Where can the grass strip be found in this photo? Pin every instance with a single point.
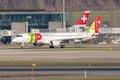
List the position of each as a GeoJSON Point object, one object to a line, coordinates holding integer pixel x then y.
{"type": "Point", "coordinates": [38, 63]}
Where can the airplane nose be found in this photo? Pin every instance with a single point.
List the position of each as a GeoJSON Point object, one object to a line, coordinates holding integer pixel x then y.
{"type": "Point", "coordinates": [14, 40]}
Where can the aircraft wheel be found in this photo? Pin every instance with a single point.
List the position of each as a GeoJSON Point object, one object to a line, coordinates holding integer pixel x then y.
{"type": "Point", "coordinates": [63, 46]}
{"type": "Point", "coordinates": [22, 45]}
{"type": "Point", "coordinates": [51, 46]}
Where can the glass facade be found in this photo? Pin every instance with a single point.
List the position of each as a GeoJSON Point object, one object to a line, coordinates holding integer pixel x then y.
{"type": "Point", "coordinates": [35, 19]}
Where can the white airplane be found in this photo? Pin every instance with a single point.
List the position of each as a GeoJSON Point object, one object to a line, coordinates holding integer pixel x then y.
{"type": "Point", "coordinates": [57, 38]}
{"type": "Point", "coordinates": [80, 25]}
{"type": "Point", "coordinates": [81, 22]}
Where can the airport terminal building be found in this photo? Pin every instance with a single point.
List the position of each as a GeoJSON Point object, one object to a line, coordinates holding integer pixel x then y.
{"type": "Point", "coordinates": [35, 18]}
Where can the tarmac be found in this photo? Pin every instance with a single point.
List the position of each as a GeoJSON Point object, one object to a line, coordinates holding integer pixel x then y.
{"type": "Point", "coordinates": [59, 55]}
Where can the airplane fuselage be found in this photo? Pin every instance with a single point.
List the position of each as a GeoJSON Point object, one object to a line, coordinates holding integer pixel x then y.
{"type": "Point", "coordinates": [47, 37]}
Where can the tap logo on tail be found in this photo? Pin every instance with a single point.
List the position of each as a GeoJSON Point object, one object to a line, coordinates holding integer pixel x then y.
{"type": "Point", "coordinates": [94, 27]}
{"type": "Point", "coordinates": [97, 24]}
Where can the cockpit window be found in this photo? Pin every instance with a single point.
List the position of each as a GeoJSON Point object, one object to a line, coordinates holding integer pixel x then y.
{"type": "Point", "coordinates": [19, 36]}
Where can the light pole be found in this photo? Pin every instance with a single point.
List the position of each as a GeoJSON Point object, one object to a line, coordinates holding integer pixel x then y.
{"type": "Point", "coordinates": [63, 14]}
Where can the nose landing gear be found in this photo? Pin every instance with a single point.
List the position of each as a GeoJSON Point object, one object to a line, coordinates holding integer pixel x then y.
{"type": "Point", "coordinates": [22, 45]}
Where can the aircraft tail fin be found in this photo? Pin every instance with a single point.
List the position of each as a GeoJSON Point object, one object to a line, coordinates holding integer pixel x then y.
{"type": "Point", "coordinates": [83, 19]}
{"type": "Point", "coordinates": [94, 27]}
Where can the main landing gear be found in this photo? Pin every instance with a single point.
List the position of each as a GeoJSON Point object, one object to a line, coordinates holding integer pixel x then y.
{"type": "Point", "coordinates": [62, 46]}
{"type": "Point", "coordinates": [52, 46]}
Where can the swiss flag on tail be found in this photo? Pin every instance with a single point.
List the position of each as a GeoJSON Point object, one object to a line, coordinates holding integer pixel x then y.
{"type": "Point", "coordinates": [97, 24]}
{"type": "Point", "coordinates": [83, 19]}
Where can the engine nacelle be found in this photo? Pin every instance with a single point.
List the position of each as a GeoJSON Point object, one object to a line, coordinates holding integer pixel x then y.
{"type": "Point", "coordinates": [37, 44]}
{"type": "Point", "coordinates": [77, 40]}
